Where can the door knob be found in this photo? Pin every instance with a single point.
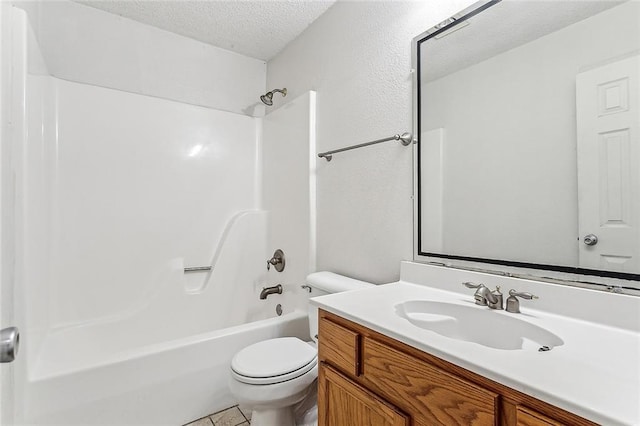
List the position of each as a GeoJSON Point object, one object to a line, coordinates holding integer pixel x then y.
{"type": "Point", "coordinates": [9, 343]}
{"type": "Point", "coordinates": [590, 240]}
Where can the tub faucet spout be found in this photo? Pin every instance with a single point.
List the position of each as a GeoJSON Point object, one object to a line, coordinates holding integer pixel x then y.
{"type": "Point", "coordinates": [276, 289]}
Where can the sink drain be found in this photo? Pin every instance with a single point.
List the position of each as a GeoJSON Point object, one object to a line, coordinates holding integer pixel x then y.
{"type": "Point", "coordinates": [544, 349]}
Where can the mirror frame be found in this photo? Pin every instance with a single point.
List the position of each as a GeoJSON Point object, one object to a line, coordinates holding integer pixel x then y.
{"type": "Point", "coordinates": [592, 278]}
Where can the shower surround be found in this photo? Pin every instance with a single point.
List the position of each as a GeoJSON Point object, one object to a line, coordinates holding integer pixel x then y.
{"type": "Point", "coordinates": [119, 188]}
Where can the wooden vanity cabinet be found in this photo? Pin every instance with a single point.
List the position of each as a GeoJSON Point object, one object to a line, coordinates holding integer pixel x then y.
{"type": "Point", "coordinates": [349, 401]}
{"type": "Point", "coordinates": [366, 378]}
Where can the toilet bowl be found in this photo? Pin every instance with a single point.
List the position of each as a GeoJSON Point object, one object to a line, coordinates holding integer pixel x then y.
{"type": "Point", "coordinates": [272, 376]}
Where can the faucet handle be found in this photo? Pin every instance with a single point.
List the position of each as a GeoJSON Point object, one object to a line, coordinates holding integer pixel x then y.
{"type": "Point", "coordinates": [513, 304]}
{"type": "Point", "coordinates": [277, 260]}
{"type": "Point", "coordinates": [527, 296]}
{"type": "Point", "coordinates": [479, 295]}
{"type": "Point", "coordinates": [468, 284]}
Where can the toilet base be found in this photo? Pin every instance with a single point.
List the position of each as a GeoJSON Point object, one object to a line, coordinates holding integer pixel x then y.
{"type": "Point", "coordinates": [273, 417]}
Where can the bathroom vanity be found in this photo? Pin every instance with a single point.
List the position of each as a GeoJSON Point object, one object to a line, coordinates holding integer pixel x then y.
{"type": "Point", "coordinates": [381, 363]}
{"type": "Point", "coordinates": [384, 382]}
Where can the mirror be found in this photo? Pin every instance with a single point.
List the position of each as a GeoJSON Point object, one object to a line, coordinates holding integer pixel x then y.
{"type": "Point", "coordinates": [527, 119]}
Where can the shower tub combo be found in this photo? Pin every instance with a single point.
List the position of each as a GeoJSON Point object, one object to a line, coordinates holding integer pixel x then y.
{"type": "Point", "coordinates": [120, 193]}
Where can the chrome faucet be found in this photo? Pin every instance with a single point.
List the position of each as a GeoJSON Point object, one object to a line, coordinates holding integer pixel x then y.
{"type": "Point", "coordinates": [276, 289]}
{"type": "Point", "coordinates": [486, 297]}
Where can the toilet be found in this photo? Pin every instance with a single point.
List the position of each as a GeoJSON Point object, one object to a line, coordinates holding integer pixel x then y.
{"type": "Point", "coordinates": [272, 376]}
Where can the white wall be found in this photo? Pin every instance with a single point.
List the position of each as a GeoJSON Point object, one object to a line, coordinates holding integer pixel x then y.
{"type": "Point", "coordinates": [510, 172]}
{"type": "Point", "coordinates": [87, 45]}
{"type": "Point", "coordinates": [138, 183]}
{"type": "Point", "coordinates": [357, 57]}
{"type": "Point", "coordinates": [289, 193]}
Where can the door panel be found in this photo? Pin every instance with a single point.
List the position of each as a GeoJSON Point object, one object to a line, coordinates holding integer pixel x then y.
{"type": "Point", "coordinates": [609, 166]}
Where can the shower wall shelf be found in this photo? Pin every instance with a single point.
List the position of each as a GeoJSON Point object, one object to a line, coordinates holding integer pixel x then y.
{"type": "Point", "coordinates": [405, 139]}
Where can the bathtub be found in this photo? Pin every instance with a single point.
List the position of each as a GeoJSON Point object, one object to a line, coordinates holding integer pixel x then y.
{"type": "Point", "coordinates": [171, 383]}
{"type": "Point", "coordinates": [165, 359]}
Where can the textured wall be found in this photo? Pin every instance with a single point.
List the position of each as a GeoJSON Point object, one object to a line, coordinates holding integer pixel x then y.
{"type": "Point", "coordinates": [357, 56]}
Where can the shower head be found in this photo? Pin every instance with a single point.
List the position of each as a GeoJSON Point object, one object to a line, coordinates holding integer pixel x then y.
{"type": "Point", "coordinates": [267, 98]}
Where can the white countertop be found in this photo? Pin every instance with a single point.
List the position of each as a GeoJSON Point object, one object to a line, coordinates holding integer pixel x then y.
{"type": "Point", "coordinates": [594, 374]}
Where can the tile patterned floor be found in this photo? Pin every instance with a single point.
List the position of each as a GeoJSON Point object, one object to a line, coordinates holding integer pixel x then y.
{"type": "Point", "coordinates": [233, 416]}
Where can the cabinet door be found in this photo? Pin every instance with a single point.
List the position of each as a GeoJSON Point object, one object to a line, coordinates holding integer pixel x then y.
{"type": "Point", "coordinates": [342, 402]}
{"type": "Point", "coordinates": [431, 395]}
{"type": "Point", "coordinates": [528, 417]}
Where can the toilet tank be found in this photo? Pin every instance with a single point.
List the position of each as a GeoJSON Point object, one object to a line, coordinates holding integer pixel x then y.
{"type": "Point", "coordinates": [322, 283]}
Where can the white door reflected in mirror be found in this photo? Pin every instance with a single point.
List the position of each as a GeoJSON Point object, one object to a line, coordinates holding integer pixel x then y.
{"type": "Point", "coordinates": [609, 165]}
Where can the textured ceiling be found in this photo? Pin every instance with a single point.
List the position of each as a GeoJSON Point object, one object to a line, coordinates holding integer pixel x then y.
{"type": "Point", "coordinates": [256, 28]}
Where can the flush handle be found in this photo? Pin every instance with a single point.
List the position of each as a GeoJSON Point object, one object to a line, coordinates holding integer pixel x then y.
{"type": "Point", "coordinates": [590, 240]}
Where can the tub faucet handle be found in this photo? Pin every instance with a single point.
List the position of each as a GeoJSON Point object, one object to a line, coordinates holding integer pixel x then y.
{"type": "Point", "coordinates": [277, 261]}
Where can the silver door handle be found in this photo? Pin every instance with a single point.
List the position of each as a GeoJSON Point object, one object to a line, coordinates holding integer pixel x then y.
{"type": "Point", "coordinates": [590, 240]}
{"type": "Point", "coordinates": [9, 344]}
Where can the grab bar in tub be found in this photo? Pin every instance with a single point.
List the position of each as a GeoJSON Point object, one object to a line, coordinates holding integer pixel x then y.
{"type": "Point", "coordinates": [197, 269]}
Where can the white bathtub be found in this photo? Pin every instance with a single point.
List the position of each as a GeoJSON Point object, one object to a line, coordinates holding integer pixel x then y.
{"type": "Point", "coordinates": [170, 383]}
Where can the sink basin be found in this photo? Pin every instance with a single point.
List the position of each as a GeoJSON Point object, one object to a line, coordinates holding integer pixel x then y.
{"type": "Point", "coordinates": [477, 324]}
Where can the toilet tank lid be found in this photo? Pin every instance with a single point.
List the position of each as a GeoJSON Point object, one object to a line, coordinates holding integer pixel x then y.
{"type": "Point", "coordinates": [334, 283]}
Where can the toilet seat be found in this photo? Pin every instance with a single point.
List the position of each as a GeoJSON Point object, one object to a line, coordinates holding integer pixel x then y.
{"type": "Point", "coordinates": [273, 361]}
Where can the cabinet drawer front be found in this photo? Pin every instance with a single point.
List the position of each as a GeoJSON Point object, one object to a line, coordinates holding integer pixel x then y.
{"type": "Point", "coordinates": [339, 346]}
{"type": "Point", "coordinates": [528, 417]}
{"type": "Point", "coordinates": [342, 402]}
{"type": "Point", "coordinates": [433, 396]}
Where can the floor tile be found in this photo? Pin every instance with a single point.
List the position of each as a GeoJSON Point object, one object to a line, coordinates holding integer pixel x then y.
{"type": "Point", "coordinates": [246, 412]}
{"type": "Point", "coordinates": [202, 422]}
{"type": "Point", "coordinates": [228, 417]}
